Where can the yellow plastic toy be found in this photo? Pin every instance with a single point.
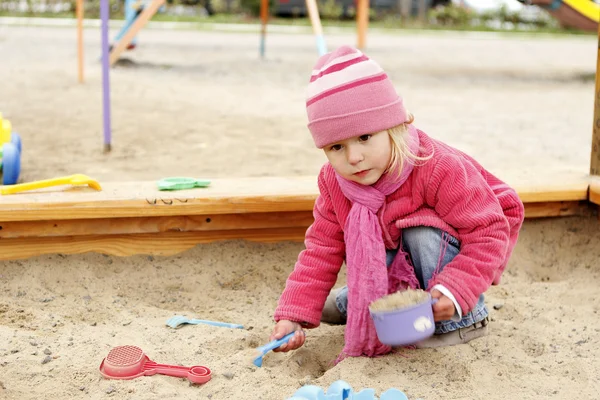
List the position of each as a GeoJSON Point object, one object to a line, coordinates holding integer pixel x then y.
{"type": "Point", "coordinates": [5, 130]}
{"type": "Point", "coordinates": [77, 179]}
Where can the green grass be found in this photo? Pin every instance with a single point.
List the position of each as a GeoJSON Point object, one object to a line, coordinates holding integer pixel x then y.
{"type": "Point", "coordinates": [388, 24]}
{"type": "Point", "coordinates": [37, 15]}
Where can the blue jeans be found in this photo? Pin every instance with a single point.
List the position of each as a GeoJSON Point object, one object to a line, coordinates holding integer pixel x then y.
{"type": "Point", "coordinates": [424, 244]}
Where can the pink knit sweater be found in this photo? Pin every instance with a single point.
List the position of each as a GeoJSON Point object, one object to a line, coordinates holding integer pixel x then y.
{"type": "Point", "coordinates": [451, 191]}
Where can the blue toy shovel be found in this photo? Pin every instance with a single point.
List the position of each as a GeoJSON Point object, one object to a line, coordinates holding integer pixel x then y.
{"type": "Point", "coordinates": [261, 351]}
{"type": "Point", "coordinates": [178, 320]}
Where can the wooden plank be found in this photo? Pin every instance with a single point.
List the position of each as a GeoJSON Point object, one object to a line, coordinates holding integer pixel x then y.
{"type": "Point", "coordinates": [172, 242]}
{"type": "Point", "coordinates": [595, 191]}
{"type": "Point", "coordinates": [217, 222]}
{"type": "Point", "coordinates": [595, 156]}
{"type": "Point", "coordinates": [555, 209]}
{"type": "Point", "coordinates": [142, 199]}
{"type": "Point", "coordinates": [161, 244]}
{"type": "Point", "coordinates": [568, 191]}
{"type": "Point", "coordinates": [226, 196]}
{"type": "Point", "coordinates": [117, 226]}
{"type": "Point", "coordinates": [548, 185]}
{"type": "Point", "coordinates": [139, 23]}
{"type": "Point", "coordinates": [138, 219]}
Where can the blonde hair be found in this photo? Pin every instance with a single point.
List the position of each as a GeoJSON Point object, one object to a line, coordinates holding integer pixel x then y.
{"type": "Point", "coordinates": [400, 150]}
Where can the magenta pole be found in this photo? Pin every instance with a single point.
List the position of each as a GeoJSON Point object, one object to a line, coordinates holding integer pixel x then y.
{"type": "Point", "coordinates": [104, 15]}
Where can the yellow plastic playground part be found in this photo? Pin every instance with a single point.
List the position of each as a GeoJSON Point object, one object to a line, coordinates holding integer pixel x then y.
{"type": "Point", "coordinates": [77, 179]}
{"type": "Point", "coordinates": [5, 130]}
{"type": "Point", "coordinates": [586, 8]}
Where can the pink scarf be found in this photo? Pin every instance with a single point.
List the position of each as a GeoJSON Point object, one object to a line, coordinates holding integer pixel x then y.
{"type": "Point", "coordinates": [368, 277]}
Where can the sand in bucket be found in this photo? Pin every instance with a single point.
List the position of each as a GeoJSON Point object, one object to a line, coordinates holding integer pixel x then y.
{"type": "Point", "coordinates": [399, 300]}
{"type": "Point", "coordinates": [403, 318]}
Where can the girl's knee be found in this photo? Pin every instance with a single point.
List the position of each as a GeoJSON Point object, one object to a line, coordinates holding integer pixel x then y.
{"type": "Point", "coordinates": [421, 237]}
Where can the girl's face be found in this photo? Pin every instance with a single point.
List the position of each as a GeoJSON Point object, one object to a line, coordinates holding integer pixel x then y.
{"type": "Point", "coordinates": [362, 159]}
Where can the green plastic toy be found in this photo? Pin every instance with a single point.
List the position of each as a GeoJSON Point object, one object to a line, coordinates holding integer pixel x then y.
{"type": "Point", "coordinates": [181, 183]}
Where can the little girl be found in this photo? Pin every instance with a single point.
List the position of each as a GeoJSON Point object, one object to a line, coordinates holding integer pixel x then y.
{"type": "Point", "coordinates": [402, 210]}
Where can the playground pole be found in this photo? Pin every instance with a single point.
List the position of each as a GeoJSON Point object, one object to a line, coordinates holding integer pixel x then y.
{"type": "Point", "coordinates": [595, 159]}
{"type": "Point", "coordinates": [313, 12]}
{"type": "Point", "coordinates": [105, 74]}
{"type": "Point", "coordinates": [137, 25]}
{"type": "Point", "coordinates": [264, 16]}
{"type": "Point", "coordinates": [362, 22]}
{"type": "Point", "coordinates": [79, 11]}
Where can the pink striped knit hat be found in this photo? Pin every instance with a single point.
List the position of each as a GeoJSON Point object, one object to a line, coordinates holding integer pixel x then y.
{"type": "Point", "coordinates": [350, 95]}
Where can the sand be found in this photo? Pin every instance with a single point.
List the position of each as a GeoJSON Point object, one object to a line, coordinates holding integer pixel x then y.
{"type": "Point", "coordinates": [399, 300]}
{"type": "Point", "coordinates": [203, 104]}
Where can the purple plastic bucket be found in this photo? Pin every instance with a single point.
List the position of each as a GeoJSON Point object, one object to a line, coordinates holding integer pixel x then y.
{"type": "Point", "coordinates": [405, 326]}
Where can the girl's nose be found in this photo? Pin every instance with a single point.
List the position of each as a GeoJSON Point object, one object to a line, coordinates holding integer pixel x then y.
{"type": "Point", "coordinates": [354, 155]}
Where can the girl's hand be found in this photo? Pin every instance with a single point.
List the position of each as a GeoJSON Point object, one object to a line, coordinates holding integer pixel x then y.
{"type": "Point", "coordinates": [284, 327]}
{"type": "Point", "coordinates": [444, 309]}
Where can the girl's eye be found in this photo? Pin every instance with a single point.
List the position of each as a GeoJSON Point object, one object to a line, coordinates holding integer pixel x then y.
{"type": "Point", "coordinates": [364, 138]}
{"type": "Point", "coordinates": [336, 147]}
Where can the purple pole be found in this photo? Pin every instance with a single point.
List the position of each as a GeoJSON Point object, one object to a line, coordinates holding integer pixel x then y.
{"type": "Point", "coordinates": [104, 11]}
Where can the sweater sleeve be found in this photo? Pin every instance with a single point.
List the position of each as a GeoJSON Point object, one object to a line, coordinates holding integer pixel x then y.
{"type": "Point", "coordinates": [317, 267]}
{"type": "Point", "coordinates": [462, 197]}
{"type": "Point", "coordinates": [514, 211]}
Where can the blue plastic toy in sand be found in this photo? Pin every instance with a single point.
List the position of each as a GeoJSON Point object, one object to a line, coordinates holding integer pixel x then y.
{"type": "Point", "coordinates": [261, 351]}
{"type": "Point", "coordinates": [10, 153]}
{"type": "Point", "coordinates": [16, 140]}
{"type": "Point", "coordinates": [177, 320]}
{"type": "Point", "coordinates": [10, 161]}
{"type": "Point", "coordinates": [341, 390]}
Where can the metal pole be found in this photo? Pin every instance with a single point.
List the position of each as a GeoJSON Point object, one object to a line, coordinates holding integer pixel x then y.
{"type": "Point", "coordinates": [104, 14]}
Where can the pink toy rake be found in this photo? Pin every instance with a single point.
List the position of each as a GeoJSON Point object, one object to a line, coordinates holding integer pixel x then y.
{"type": "Point", "coordinates": [128, 362]}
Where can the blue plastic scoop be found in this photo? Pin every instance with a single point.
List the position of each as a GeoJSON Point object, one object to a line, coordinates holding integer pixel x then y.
{"type": "Point", "coordinates": [178, 320]}
{"type": "Point", "coordinates": [261, 351]}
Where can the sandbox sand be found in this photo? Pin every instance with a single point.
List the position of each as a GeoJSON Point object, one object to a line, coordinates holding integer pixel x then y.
{"type": "Point", "coordinates": [398, 300]}
{"type": "Point", "coordinates": [202, 104]}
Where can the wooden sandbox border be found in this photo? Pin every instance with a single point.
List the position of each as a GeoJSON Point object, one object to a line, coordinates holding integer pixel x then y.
{"type": "Point", "coordinates": [136, 218]}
